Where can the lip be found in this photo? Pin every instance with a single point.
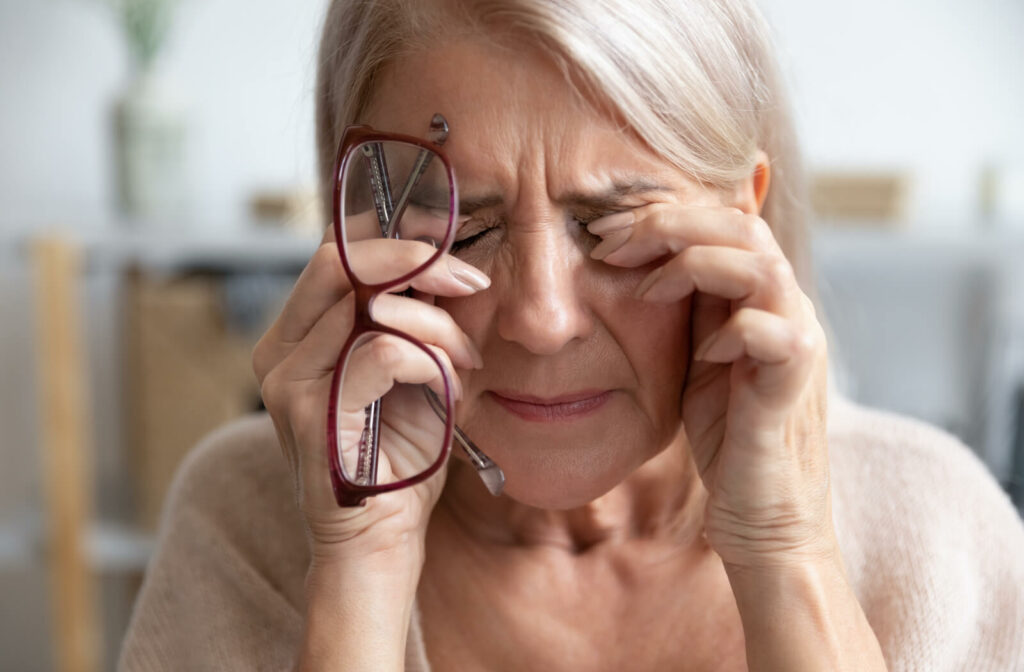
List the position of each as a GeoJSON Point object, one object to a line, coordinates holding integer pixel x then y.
{"type": "Point", "coordinates": [566, 407]}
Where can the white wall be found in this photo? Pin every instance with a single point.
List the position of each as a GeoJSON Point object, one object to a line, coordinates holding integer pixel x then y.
{"type": "Point", "coordinates": [243, 67]}
{"type": "Point", "coordinates": [935, 86]}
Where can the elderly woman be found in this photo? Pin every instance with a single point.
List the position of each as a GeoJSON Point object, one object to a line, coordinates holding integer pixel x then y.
{"type": "Point", "coordinates": [566, 268]}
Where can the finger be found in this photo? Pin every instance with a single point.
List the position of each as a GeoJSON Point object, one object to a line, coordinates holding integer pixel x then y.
{"type": "Point", "coordinates": [429, 324]}
{"type": "Point", "coordinates": [751, 279]}
{"type": "Point", "coordinates": [321, 284]}
{"type": "Point", "coordinates": [376, 365]}
{"type": "Point", "coordinates": [378, 261]}
{"type": "Point", "coordinates": [317, 354]}
{"type": "Point", "coordinates": [707, 315]}
{"type": "Point", "coordinates": [660, 229]}
{"type": "Point", "coordinates": [324, 283]}
{"type": "Point", "coordinates": [781, 351]}
{"type": "Point", "coordinates": [360, 226]}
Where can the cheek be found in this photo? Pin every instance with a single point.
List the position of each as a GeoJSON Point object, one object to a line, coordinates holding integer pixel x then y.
{"type": "Point", "coordinates": [656, 340]}
{"type": "Point", "coordinates": [473, 313]}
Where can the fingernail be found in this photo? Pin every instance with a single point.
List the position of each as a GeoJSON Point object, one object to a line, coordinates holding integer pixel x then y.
{"type": "Point", "coordinates": [702, 350]}
{"type": "Point", "coordinates": [474, 354]}
{"type": "Point", "coordinates": [648, 282]}
{"type": "Point", "coordinates": [609, 223]}
{"type": "Point", "coordinates": [468, 275]}
{"type": "Point", "coordinates": [614, 241]}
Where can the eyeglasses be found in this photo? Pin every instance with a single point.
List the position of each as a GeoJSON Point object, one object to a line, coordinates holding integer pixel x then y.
{"type": "Point", "coordinates": [385, 434]}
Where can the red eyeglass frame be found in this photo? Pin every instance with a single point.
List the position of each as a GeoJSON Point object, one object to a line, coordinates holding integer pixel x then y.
{"type": "Point", "coordinates": [346, 492]}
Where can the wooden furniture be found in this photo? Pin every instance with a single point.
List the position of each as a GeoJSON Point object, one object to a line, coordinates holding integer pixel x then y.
{"type": "Point", "coordinates": [181, 372]}
{"type": "Point", "coordinates": [67, 454]}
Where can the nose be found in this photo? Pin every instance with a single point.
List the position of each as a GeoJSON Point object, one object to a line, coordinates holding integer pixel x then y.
{"type": "Point", "coordinates": [544, 306]}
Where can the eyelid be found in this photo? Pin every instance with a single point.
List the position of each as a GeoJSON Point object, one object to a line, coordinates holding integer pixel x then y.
{"type": "Point", "coordinates": [484, 225]}
{"type": "Point", "coordinates": [587, 215]}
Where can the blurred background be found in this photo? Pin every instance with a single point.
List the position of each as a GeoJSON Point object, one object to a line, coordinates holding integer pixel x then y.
{"type": "Point", "coordinates": [157, 181]}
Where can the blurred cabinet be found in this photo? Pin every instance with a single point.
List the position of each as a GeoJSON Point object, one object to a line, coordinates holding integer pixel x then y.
{"type": "Point", "coordinates": [161, 327]}
{"type": "Point", "coordinates": [191, 314]}
{"type": "Point", "coordinates": [930, 324]}
{"type": "Point", "coordinates": [187, 372]}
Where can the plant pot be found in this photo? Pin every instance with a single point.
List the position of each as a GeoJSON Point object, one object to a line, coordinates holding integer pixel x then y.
{"type": "Point", "coordinates": [150, 134]}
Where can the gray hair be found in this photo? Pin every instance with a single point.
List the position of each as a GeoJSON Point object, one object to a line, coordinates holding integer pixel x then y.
{"type": "Point", "coordinates": [696, 80]}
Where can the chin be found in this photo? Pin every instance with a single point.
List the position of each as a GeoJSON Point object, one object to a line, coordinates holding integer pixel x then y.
{"type": "Point", "coordinates": [566, 477]}
{"type": "Point", "coordinates": [565, 465]}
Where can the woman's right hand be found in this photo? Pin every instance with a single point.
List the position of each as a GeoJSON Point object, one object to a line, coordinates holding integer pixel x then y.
{"type": "Point", "coordinates": [294, 362]}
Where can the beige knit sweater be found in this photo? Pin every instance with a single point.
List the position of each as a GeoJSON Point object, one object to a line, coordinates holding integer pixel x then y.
{"type": "Point", "coordinates": [934, 549]}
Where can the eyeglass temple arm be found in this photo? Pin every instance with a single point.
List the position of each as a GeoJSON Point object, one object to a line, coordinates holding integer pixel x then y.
{"type": "Point", "coordinates": [380, 185]}
{"type": "Point", "coordinates": [388, 212]}
{"type": "Point", "coordinates": [438, 134]}
{"type": "Point", "coordinates": [489, 472]}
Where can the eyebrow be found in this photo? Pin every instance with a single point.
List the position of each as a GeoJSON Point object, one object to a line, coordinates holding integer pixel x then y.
{"type": "Point", "coordinates": [601, 198]}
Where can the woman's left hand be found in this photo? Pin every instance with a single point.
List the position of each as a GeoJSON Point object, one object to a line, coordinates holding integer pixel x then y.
{"type": "Point", "coordinates": [754, 403]}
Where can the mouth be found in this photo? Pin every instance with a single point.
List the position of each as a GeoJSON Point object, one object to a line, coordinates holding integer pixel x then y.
{"type": "Point", "coordinates": [563, 408]}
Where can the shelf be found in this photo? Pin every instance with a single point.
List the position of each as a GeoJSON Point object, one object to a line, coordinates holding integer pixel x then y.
{"type": "Point", "coordinates": [164, 251]}
{"type": "Point", "coordinates": [110, 547]}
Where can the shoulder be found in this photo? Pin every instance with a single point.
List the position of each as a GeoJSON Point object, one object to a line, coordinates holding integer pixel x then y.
{"type": "Point", "coordinates": [239, 458]}
{"type": "Point", "coordinates": [225, 586]}
{"type": "Point", "coordinates": [909, 467]}
{"type": "Point", "coordinates": [235, 485]}
{"type": "Point", "coordinates": [933, 546]}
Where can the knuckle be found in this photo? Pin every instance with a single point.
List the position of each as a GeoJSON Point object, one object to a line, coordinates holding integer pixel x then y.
{"type": "Point", "coordinates": [384, 352]}
{"type": "Point", "coordinates": [690, 257]}
{"type": "Point", "coordinates": [260, 359]}
{"type": "Point", "coordinates": [745, 320]}
{"type": "Point", "coordinates": [778, 273]}
{"type": "Point", "coordinates": [324, 251]}
{"type": "Point", "coordinates": [755, 231]}
{"type": "Point", "coordinates": [272, 393]}
{"type": "Point", "coordinates": [658, 221]}
{"type": "Point", "coordinates": [325, 267]}
{"type": "Point", "coordinates": [804, 344]}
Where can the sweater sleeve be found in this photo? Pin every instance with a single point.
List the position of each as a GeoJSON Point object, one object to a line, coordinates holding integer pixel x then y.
{"type": "Point", "coordinates": [224, 589]}
{"type": "Point", "coordinates": [933, 546]}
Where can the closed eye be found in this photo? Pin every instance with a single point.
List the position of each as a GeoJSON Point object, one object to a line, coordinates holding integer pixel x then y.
{"type": "Point", "coordinates": [586, 216]}
{"type": "Point", "coordinates": [472, 232]}
{"type": "Point", "coordinates": [477, 229]}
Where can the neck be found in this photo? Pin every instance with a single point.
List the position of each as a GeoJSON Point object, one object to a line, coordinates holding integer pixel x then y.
{"type": "Point", "coordinates": [663, 500]}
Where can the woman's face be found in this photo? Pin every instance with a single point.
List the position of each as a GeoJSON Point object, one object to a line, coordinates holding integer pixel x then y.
{"type": "Point", "coordinates": [581, 381]}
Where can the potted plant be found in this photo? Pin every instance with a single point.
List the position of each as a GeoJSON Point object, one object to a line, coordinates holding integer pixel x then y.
{"type": "Point", "coordinates": [149, 121]}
